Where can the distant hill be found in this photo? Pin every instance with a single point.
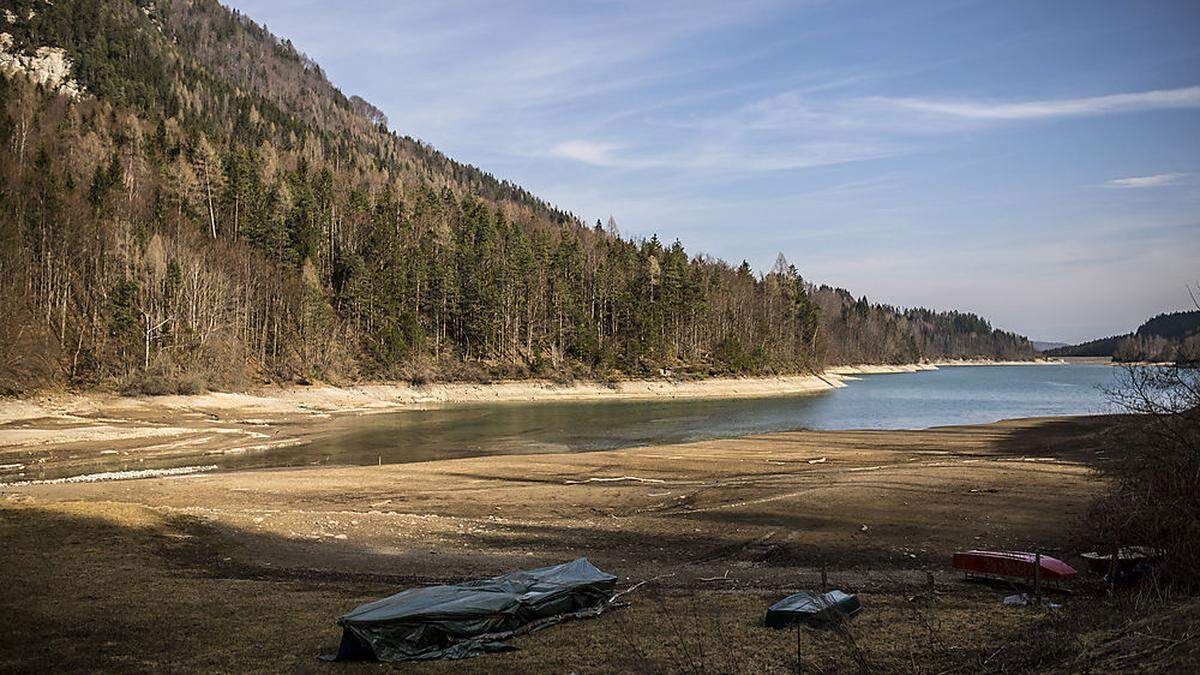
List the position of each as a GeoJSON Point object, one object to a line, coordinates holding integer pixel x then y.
{"type": "Point", "coordinates": [1099, 347]}
{"type": "Point", "coordinates": [1166, 337]}
{"type": "Point", "coordinates": [1042, 345]}
{"type": "Point", "coordinates": [1174, 326]}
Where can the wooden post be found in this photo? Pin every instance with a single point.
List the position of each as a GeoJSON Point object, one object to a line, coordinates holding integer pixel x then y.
{"type": "Point", "coordinates": [1037, 578]}
{"type": "Point", "coordinates": [1112, 570]}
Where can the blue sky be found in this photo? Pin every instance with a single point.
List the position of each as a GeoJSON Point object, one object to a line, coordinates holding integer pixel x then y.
{"type": "Point", "coordinates": [1035, 162]}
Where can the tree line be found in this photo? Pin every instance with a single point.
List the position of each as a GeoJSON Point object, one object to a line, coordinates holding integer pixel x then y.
{"type": "Point", "coordinates": [1171, 337]}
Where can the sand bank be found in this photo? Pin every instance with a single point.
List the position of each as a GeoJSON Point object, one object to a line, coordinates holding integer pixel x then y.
{"type": "Point", "coordinates": [273, 402]}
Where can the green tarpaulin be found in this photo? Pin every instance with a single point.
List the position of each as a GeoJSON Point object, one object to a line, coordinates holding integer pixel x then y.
{"type": "Point", "coordinates": [473, 618]}
{"type": "Point", "coordinates": [825, 609]}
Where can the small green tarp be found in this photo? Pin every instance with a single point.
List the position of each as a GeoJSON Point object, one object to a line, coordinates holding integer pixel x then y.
{"type": "Point", "coordinates": [472, 618]}
{"type": "Point", "coordinates": [825, 609]}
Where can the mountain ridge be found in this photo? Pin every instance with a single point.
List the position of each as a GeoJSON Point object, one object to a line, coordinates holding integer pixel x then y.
{"type": "Point", "coordinates": [233, 217]}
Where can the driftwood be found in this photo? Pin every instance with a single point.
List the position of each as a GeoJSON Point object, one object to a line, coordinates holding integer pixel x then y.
{"type": "Point", "coordinates": [635, 479]}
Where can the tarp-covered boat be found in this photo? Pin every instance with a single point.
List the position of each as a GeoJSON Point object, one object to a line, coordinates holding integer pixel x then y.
{"type": "Point", "coordinates": [1128, 559]}
{"type": "Point", "coordinates": [473, 618]}
{"type": "Point", "coordinates": [1017, 564]}
{"type": "Point", "coordinates": [813, 609]}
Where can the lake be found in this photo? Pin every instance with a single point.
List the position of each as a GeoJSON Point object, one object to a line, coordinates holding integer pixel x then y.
{"type": "Point", "coordinates": [950, 395]}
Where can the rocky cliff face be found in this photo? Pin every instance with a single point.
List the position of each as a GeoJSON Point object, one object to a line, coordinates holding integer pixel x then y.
{"type": "Point", "coordinates": [47, 66]}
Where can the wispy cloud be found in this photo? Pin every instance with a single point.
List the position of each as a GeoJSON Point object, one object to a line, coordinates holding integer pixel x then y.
{"type": "Point", "coordinates": [1186, 97]}
{"type": "Point", "coordinates": [588, 152]}
{"type": "Point", "coordinates": [724, 154]}
{"type": "Point", "coordinates": [801, 129]}
{"type": "Point", "coordinates": [1156, 180]}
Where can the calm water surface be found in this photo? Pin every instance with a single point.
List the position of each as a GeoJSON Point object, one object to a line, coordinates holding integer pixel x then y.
{"type": "Point", "coordinates": [956, 395]}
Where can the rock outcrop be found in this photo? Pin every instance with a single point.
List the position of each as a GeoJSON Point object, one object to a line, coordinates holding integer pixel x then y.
{"type": "Point", "coordinates": [47, 66]}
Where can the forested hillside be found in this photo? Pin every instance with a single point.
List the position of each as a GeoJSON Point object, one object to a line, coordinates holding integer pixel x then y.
{"type": "Point", "coordinates": [187, 202]}
{"type": "Point", "coordinates": [1165, 337]}
{"type": "Point", "coordinates": [1105, 346]}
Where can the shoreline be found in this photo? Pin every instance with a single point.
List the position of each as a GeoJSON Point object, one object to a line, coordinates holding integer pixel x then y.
{"type": "Point", "coordinates": [952, 363]}
{"type": "Point", "coordinates": [289, 401]}
{"type": "Point", "coordinates": [95, 436]}
{"type": "Point", "coordinates": [280, 403]}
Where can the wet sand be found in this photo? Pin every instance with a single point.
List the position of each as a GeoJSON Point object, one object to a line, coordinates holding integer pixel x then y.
{"type": "Point", "coordinates": [249, 570]}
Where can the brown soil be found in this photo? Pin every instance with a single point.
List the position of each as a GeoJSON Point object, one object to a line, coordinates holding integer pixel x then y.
{"type": "Point", "coordinates": [248, 571]}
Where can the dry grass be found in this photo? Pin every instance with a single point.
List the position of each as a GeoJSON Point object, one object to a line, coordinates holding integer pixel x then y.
{"type": "Point", "coordinates": [1162, 639]}
{"type": "Point", "coordinates": [127, 588]}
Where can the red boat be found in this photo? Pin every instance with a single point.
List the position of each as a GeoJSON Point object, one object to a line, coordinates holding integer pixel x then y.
{"type": "Point", "coordinates": [1017, 564]}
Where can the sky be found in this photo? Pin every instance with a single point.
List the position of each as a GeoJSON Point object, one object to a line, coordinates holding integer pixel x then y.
{"type": "Point", "coordinates": [1036, 162]}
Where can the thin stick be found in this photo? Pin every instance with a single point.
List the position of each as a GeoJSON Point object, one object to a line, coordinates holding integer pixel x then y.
{"type": "Point", "coordinates": [799, 664]}
{"type": "Point", "coordinates": [1037, 578]}
{"type": "Point", "coordinates": [637, 586]}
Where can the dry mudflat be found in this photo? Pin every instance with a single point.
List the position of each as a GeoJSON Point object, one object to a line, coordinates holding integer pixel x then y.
{"type": "Point", "coordinates": [247, 571]}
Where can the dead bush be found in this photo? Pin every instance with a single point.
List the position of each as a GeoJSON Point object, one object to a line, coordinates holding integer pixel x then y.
{"type": "Point", "coordinates": [1155, 495]}
{"type": "Point", "coordinates": [29, 353]}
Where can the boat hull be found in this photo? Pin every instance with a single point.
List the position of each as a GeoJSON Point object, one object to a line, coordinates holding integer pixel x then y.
{"type": "Point", "coordinates": [1012, 564]}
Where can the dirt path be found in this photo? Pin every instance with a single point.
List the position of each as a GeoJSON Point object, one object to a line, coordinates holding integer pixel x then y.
{"type": "Point", "coordinates": [725, 526]}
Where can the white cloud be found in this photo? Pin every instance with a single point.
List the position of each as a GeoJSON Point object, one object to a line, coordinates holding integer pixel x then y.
{"type": "Point", "coordinates": [724, 154]}
{"type": "Point", "coordinates": [1146, 181]}
{"type": "Point", "coordinates": [1186, 97]}
{"type": "Point", "coordinates": [588, 152]}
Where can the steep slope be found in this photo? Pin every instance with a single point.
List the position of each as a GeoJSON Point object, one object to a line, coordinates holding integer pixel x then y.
{"type": "Point", "coordinates": [188, 202]}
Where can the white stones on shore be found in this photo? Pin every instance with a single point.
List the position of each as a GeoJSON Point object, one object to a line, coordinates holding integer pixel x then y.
{"type": "Point", "coordinates": [120, 475]}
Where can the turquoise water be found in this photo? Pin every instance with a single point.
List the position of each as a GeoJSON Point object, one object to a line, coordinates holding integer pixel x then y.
{"type": "Point", "coordinates": [964, 395]}
{"type": "Point", "coordinates": [955, 395]}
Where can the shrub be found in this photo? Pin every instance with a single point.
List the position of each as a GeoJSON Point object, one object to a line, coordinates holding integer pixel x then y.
{"type": "Point", "coordinates": [1155, 496]}
{"type": "Point", "coordinates": [29, 352]}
